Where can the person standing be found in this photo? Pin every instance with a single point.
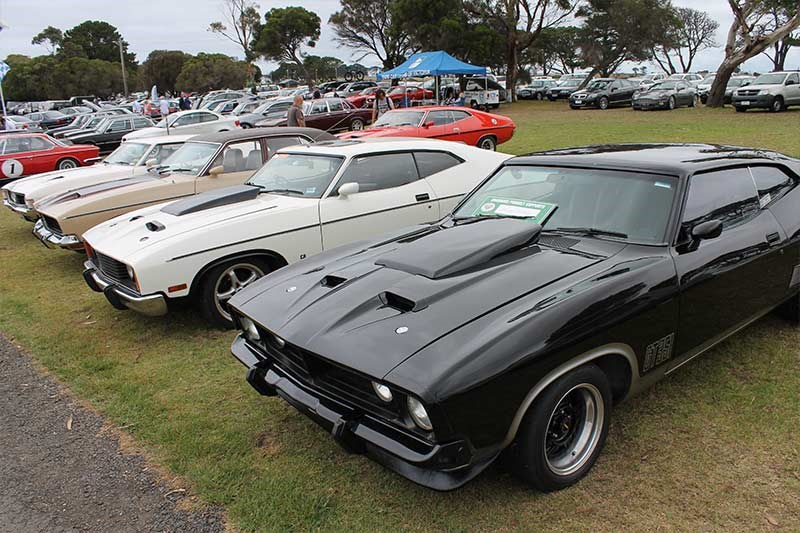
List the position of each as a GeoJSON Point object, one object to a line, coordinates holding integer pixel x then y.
{"type": "Point", "coordinates": [406, 100]}
{"type": "Point", "coordinates": [382, 104]}
{"type": "Point", "coordinates": [163, 106]}
{"type": "Point", "coordinates": [148, 109]}
{"type": "Point", "coordinates": [136, 107]}
{"type": "Point", "coordinates": [295, 117]}
{"type": "Point", "coordinates": [316, 94]}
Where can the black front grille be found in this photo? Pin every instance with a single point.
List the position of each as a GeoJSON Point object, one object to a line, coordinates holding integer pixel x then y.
{"type": "Point", "coordinates": [113, 269]}
{"type": "Point", "coordinates": [51, 224]}
{"type": "Point", "coordinates": [338, 382]}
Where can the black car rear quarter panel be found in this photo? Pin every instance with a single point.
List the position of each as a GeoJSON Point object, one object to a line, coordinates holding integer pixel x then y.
{"type": "Point", "coordinates": [478, 376]}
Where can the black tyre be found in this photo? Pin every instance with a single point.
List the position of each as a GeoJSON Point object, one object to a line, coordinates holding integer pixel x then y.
{"type": "Point", "coordinates": [791, 310]}
{"type": "Point", "coordinates": [223, 281]}
{"type": "Point", "coordinates": [356, 124]}
{"type": "Point", "coordinates": [246, 125]}
{"type": "Point", "coordinates": [564, 431]}
{"type": "Point", "coordinates": [474, 104]}
{"type": "Point", "coordinates": [67, 163]}
{"type": "Point", "coordinates": [671, 103]}
{"type": "Point", "coordinates": [740, 109]}
{"type": "Point", "coordinates": [777, 105]}
{"type": "Point", "coordinates": [603, 103]}
{"type": "Point", "coordinates": [538, 96]}
{"type": "Point", "coordinates": [694, 101]}
{"type": "Point", "coordinates": [487, 143]}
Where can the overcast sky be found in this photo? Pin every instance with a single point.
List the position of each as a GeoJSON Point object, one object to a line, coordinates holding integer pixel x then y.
{"type": "Point", "coordinates": [182, 24]}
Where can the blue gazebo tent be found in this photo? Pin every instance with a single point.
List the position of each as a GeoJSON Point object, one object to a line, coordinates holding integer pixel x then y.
{"type": "Point", "coordinates": [438, 63]}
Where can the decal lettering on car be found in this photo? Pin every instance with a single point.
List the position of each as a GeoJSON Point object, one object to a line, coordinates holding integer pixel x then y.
{"type": "Point", "coordinates": [537, 212]}
{"type": "Point", "coordinates": [658, 352]}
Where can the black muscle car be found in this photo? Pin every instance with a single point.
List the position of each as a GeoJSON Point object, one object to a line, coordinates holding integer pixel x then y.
{"type": "Point", "coordinates": [667, 94]}
{"type": "Point", "coordinates": [603, 93]}
{"type": "Point", "coordinates": [566, 282]}
{"type": "Point", "coordinates": [108, 134]}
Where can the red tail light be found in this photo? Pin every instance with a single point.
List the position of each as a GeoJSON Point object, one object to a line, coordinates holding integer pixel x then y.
{"type": "Point", "coordinates": [237, 123]}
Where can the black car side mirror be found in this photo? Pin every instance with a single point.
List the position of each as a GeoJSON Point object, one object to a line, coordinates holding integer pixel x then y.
{"type": "Point", "coordinates": [711, 229]}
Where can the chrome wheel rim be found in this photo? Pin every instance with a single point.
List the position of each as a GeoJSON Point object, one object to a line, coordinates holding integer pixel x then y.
{"type": "Point", "coordinates": [574, 429]}
{"type": "Point", "coordinates": [603, 103]}
{"type": "Point", "coordinates": [66, 165]}
{"type": "Point", "coordinates": [357, 125]}
{"type": "Point", "coordinates": [672, 103]}
{"type": "Point", "coordinates": [232, 280]}
{"type": "Point", "coordinates": [487, 144]}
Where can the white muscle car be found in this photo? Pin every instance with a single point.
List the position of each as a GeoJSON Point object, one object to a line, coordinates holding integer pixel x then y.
{"type": "Point", "coordinates": [130, 159]}
{"type": "Point", "coordinates": [191, 122]}
{"type": "Point", "coordinates": [306, 199]}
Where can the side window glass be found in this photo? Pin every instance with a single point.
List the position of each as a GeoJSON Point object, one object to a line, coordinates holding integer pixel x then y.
{"type": "Point", "coordinates": [725, 195]}
{"type": "Point", "coordinates": [276, 143]}
{"type": "Point", "coordinates": [439, 118]}
{"type": "Point", "coordinates": [430, 163]}
{"type": "Point", "coordinates": [38, 143]}
{"type": "Point", "coordinates": [203, 117]}
{"type": "Point", "coordinates": [119, 125]}
{"type": "Point", "coordinates": [335, 105]}
{"type": "Point", "coordinates": [459, 115]}
{"type": "Point", "coordinates": [377, 172]}
{"type": "Point", "coordinates": [772, 183]}
{"type": "Point", "coordinates": [318, 107]}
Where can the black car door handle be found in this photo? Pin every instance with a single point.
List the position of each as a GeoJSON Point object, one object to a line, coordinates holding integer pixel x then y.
{"type": "Point", "coordinates": [773, 238]}
{"type": "Point", "coordinates": [424, 197]}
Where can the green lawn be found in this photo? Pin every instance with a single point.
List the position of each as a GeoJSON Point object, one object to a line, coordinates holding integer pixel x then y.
{"type": "Point", "coordinates": [715, 446]}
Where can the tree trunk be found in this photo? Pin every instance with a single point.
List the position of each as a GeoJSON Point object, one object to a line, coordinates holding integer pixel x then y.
{"type": "Point", "coordinates": [511, 71]}
{"type": "Point", "coordinates": [716, 96]}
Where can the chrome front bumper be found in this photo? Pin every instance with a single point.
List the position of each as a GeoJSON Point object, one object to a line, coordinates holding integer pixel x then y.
{"type": "Point", "coordinates": [52, 239]}
{"type": "Point", "coordinates": [28, 213]}
{"type": "Point", "coordinates": [122, 298]}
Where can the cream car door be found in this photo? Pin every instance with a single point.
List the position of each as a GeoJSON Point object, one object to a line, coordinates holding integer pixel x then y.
{"type": "Point", "coordinates": [390, 195]}
{"type": "Point", "coordinates": [238, 161]}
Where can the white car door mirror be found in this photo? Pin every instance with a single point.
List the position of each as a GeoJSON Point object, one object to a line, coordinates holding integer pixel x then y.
{"type": "Point", "coordinates": [347, 189]}
{"type": "Point", "coordinates": [216, 171]}
{"type": "Point", "coordinates": [151, 162]}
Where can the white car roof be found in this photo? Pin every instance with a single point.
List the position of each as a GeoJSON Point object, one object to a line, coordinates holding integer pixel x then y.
{"type": "Point", "coordinates": [356, 147]}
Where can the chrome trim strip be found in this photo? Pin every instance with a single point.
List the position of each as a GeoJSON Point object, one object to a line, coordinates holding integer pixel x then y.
{"type": "Point", "coordinates": [609, 349]}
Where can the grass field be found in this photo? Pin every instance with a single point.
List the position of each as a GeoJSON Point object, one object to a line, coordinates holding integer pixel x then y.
{"type": "Point", "coordinates": [714, 447]}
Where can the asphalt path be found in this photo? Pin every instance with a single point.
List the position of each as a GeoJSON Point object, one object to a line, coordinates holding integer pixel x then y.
{"type": "Point", "coordinates": [61, 469]}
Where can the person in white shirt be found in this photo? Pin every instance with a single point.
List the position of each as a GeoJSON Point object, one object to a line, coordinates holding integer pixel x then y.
{"type": "Point", "coordinates": [9, 125]}
{"type": "Point", "coordinates": [163, 106]}
{"type": "Point", "coordinates": [137, 107]}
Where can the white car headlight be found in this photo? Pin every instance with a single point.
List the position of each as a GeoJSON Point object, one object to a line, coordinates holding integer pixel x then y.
{"type": "Point", "coordinates": [383, 392]}
{"type": "Point", "coordinates": [763, 92]}
{"type": "Point", "coordinates": [250, 329]}
{"type": "Point", "coordinates": [418, 414]}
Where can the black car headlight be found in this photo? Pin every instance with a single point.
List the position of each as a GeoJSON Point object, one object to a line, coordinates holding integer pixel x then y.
{"type": "Point", "coordinates": [418, 414]}
{"type": "Point", "coordinates": [383, 392]}
{"type": "Point", "coordinates": [249, 329]}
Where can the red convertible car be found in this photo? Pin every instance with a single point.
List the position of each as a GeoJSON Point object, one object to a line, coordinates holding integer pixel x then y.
{"type": "Point", "coordinates": [462, 124]}
{"type": "Point", "coordinates": [24, 154]}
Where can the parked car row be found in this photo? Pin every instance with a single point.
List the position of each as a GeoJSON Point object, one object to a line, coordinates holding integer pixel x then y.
{"type": "Point", "coordinates": [434, 305]}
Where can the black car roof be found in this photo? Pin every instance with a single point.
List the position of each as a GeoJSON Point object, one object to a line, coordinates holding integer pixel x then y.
{"type": "Point", "coordinates": [254, 133]}
{"type": "Point", "coordinates": [663, 158]}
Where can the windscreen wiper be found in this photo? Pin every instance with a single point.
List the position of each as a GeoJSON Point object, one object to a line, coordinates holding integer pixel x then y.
{"type": "Point", "coordinates": [591, 232]}
{"type": "Point", "coordinates": [283, 191]}
{"type": "Point", "coordinates": [486, 217]}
